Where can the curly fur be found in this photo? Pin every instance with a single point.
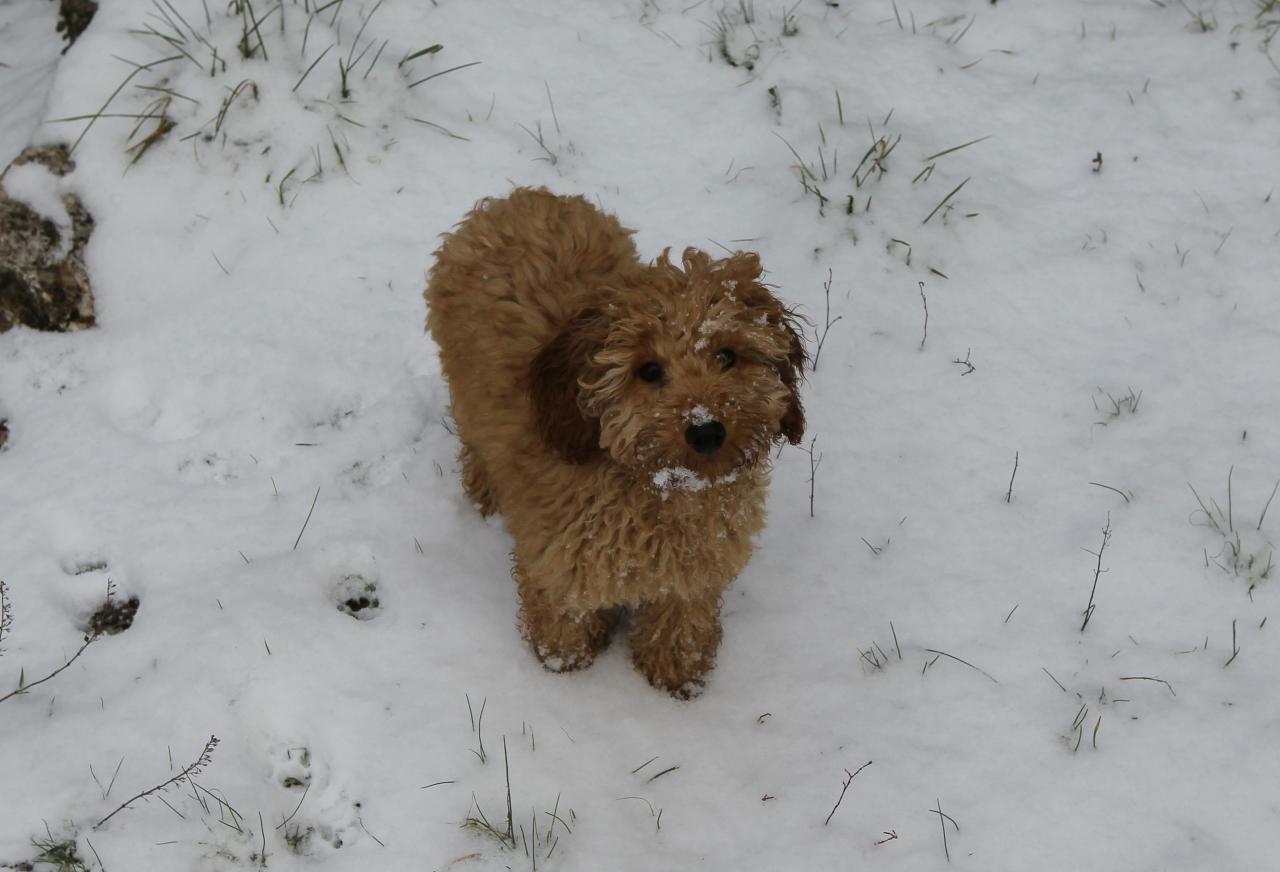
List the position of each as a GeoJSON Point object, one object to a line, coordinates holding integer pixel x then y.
{"type": "Point", "coordinates": [544, 316]}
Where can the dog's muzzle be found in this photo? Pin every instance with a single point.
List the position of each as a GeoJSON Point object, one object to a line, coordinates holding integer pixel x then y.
{"type": "Point", "coordinates": [705, 438]}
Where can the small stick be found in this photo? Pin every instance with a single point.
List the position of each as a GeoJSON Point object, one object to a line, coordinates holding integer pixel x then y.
{"type": "Point", "coordinates": [6, 615]}
{"type": "Point", "coordinates": [813, 470]}
{"type": "Point", "coordinates": [1231, 525]}
{"type": "Point", "coordinates": [1268, 505]}
{"type": "Point", "coordinates": [307, 521]}
{"type": "Point", "coordinates": [23, 688]}
{"type": "Point", "coordinates": [642, 765]}
{"type": "Point", "coordinates": [550, 103]}
{"type": "Point", "coordinates": [312, 67]}
{"type": "Point", "coordinates": [1054, 680]}
{"type": "Point", "coordinates": [203, 760]}
{"type": "Point", "coordinates": [955, 148]}
{"type": "Point", "coordinates": [506, 766]}
{"type": "Point", "coordinates": [925, 301]}
{"type": "Point", "coordinates": [1106, 537]}
{"type": "Point", "coordinates": [954, 191]}
{"type": "Point", "coordinates": [943, 818]}
{"type": "Point", "coordinates": [1235, 649]}
{"type": "Point", "coordinates": [1148, 678]}
{"type": "Point", "coordinates": [826, 287]}
{"type": "Point", "coordinates": [1008, 497]}
{"type": "Point", "coordinates": [444, 72]}
{"type": "Point", "coordinates": [305, 790]}
{"type": "Point", "coordinates": [95, 853]}
{"type": "Point", "coordinates": [844, 789]}
{"type": "Point", "coordinates": [1116, 489]}
{"type": "Point", "coordinates": [662, 773]}
{"type": "Point", "coordinates": [965, 662]}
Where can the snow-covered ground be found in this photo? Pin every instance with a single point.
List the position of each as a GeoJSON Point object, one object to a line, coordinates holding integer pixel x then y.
{"type": "Point", "coordinates": [1101, 309]}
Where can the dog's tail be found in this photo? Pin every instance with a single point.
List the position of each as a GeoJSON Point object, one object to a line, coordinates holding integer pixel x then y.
{"type": "Point", "coordinates": [563, 238]}
{"type": "Point", "coordinates": [519, 267]}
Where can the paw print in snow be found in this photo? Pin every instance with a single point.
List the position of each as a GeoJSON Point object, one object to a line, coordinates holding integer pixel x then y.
{"type": "Point", "coordinates": [357, 596]}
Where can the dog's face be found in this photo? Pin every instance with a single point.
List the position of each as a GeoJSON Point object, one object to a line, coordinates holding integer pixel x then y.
{"type": "Point", "coordinates": [688, 372]}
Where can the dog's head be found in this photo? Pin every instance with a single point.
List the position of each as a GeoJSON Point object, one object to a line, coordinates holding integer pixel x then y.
{"type": "Point", "coordinates": [690, 371]}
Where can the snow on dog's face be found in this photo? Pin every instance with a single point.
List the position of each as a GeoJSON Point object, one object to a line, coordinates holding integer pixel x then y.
{"type": "Point", "coordinates": [685, 373]}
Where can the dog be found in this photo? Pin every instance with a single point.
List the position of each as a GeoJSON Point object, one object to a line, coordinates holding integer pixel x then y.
{"type": "Point", "coordinates": [620, 416]}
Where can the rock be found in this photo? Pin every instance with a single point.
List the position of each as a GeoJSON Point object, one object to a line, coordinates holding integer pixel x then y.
{"type": "Point", "coordinates": [43, 281]}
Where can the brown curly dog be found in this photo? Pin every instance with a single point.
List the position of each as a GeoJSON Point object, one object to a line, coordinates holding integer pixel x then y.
{"type": "Point", "coordinates": [619, 415]}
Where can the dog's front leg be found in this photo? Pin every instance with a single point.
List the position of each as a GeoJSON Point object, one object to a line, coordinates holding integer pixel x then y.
{"type": "Point", "coordinates": [475, 482]}
{"type": "Point", "coordinates": [674, 642]}
{"type": "Point", "coordinates": [563, 640]}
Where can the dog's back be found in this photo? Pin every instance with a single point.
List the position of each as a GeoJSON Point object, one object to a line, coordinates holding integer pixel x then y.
{"type": "Point", "coordinates": [504, 283]}
{"type": "Point", "coordinates": [514, 271]}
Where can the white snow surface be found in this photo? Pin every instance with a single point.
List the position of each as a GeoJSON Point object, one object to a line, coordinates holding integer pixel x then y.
{"type": "Point", "coordinates": [1100, 290]}
{"type": "Point", "coordinates": [33, 185]}
{"type": "Point", "coordinates": [29, 53]}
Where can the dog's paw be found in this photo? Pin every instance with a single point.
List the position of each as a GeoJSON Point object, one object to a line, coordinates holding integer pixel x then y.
{"type": "Point", "coordinates": [682, 677]}
{"type": "Point", "coordinates": [566, 642]}
{"type": "Point", "coordinates": [680, 687]}
{"type": "Point", "coordinates": [561, 661]}
{"type": "Point", "coordinates": [691, 689]}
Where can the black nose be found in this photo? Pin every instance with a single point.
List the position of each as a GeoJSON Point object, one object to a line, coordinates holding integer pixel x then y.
{"type": "Point", "coordinates": [705, 438]}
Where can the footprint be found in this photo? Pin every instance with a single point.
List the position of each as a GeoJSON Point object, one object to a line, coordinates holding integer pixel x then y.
{"type": "Point", "coordinates": [114, 612]}
{"type": "Point", "coordinates": [113, 617]}
{"type": "Point", "coordinates": [211, 467]}
{"type": "Point", "coordinates": [83, 563]}
{"type": "Point", "coordinates": [293, 767]}
{"type": "Point", "coordinates": [317, 814]}
{"type": "Point", "coordinates": [357, 596]}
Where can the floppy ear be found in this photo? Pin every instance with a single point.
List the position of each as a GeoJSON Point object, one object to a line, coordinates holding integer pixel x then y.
{"type": "Point", "coordinates": [791, 373]}
{"type": "Point", "coordinates": [553, 387]}
{"type": "Point", "coordinates": [744, 268]}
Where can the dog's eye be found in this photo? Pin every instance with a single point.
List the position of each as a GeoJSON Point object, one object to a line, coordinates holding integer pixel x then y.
{"type": "Point", "coordinates": [650, 372]}
{"type": "Point", "coordinates": [726, 357]}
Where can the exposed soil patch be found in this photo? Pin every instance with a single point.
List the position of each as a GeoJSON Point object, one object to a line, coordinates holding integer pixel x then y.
{"type": "Point", "coordinates": [43, 281]}
{"type": "Point", "coordinates": [73, 17]}
{"type": "Point", "coordinates": [114, 617]}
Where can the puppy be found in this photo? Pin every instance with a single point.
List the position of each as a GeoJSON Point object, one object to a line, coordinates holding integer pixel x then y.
{"type": "Point", "coordinates": [619, 415]}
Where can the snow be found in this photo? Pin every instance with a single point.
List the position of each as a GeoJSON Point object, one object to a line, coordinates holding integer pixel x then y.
{"type": "Point", "coordinates": [40, 189]}
{"type": "Point", "coordinates": [257, 430]}
{"type": "Point", "coordinates": [681, 478]}
{"type": "Point", "coordinates": [699, 414]}
{"type": "Point", "coordinates": [30, 58]}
